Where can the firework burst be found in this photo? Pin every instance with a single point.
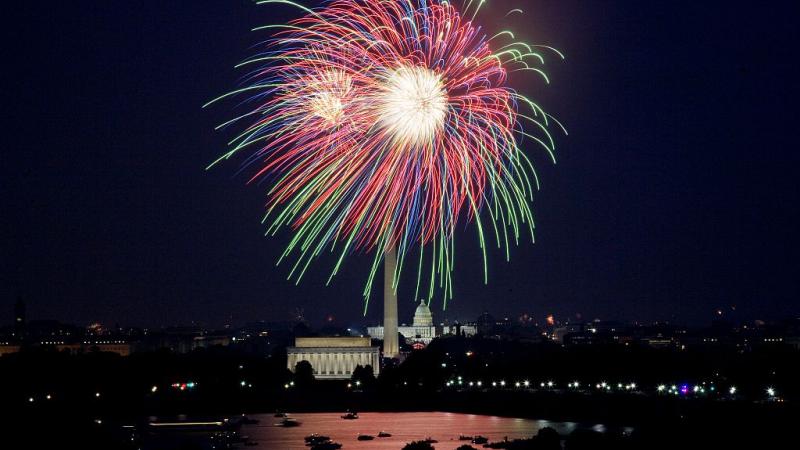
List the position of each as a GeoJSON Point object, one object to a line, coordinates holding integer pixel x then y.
{"type": "Point", "coordinates": [382, 124]}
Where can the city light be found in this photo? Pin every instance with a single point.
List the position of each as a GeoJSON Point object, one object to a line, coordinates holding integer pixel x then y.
{"type": "Point", "coordinates": [732, 390]}
{"type": "Point", "coordinates": [771, 391]}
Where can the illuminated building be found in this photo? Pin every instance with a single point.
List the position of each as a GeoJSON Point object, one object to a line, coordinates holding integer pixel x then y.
{"type": "Point", "coordinates": [422, 329]}
{"type": "Point", "coordinates": [333, 358]}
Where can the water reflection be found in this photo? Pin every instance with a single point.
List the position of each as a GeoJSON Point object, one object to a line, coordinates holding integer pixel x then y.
{"type": "Point", "coordinates": [404, 427]}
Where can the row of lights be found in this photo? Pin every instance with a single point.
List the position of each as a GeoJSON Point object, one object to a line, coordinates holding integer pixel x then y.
{"type": "Point", "coordinates": [684, 389]}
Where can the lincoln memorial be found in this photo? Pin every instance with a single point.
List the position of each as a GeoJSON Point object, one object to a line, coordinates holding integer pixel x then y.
{"type": "Point", "coordinates": [334, 358]}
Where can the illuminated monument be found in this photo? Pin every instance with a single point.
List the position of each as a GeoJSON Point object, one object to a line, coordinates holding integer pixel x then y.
{"type": "Point", "coordinates": [422, 329]}
{"type": "Point", "coordinates": [391, 342]}
{"type": "Point", "coordinates": [333, 358]}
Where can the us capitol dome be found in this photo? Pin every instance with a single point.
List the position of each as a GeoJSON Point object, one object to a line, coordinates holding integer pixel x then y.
{"type": "Point", "coordinates": [422, 329]}
{"type": "Point", "coordinates": [423, 316]}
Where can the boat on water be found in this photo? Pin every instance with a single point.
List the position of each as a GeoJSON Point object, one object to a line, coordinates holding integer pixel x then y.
{"type": "Point", "coordinates": [351, 415]}
{"type": "Point", "coordinates": [279, 414]}
{"type": "Point", "coordinates": [480, 440]}
{"type": "Point", "coordinates": [464, 437]}
{"type": "Point", "coordinates": [248, 420]}
{"type": "Point", "coordinates": [384, 434]}
{"type": "Point", "coordinates": [430, 440]}
{"type": "Point", "coordinates": [365, 437]}
{"type": "Point", "coordinates": [289, 422]}
{"type": "Point", "coordinates": [315, 438]}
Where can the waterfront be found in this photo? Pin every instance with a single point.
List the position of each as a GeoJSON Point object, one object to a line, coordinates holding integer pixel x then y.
{"type": "Point", "coordinates": [405, 427]}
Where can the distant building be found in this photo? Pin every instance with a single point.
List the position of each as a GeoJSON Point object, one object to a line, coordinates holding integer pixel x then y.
{"type": "Point", "coordinates": [121, 348]}
{"type": "Point", "coordinates": [334, 358]}
{"type": "Point", "coordinates": [422, 329]}
{"type": "Point", "coordinates": [183, 339]}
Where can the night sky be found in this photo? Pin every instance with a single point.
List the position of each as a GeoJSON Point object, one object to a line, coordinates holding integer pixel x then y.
{"type": "Point", "coordinates": [675, 193]}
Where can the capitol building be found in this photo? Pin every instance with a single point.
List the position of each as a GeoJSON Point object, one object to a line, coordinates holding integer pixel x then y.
{"type": "Point", "coordinates": [422, 329]}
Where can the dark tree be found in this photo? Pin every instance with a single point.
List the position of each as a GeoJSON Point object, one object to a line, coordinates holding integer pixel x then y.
{"type": "Point", "coordinates": [303, 374]}
{"type": "Point", "coordinates": [548, 439]}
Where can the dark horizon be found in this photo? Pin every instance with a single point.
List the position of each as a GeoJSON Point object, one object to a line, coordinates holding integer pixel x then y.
{"type": "Point", "coordinates": [675, 193]}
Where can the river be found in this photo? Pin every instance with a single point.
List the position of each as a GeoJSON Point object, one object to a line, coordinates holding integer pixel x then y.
{"type": "Point", "coordinates": [405, 427]}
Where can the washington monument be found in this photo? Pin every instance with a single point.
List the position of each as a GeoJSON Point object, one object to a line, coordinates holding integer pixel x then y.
{"type": "Point", "coordinates": [391, 345]}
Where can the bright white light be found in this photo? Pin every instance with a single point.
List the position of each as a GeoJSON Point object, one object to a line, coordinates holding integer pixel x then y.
{"type": "Point", "coordinates": [732, 390]}
{"type": "Point", "coordinates": [771, 392]}
{"type": "Point", "coordinates": [413, 104]}
{"type": "Point", "coordinates": [661, 388]}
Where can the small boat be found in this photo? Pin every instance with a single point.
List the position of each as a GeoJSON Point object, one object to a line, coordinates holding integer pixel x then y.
{"type": "Point", "coordinates": [480, 440]}
{"type": "Point", "coordinates": [248, 420]}
{"type": "Point", "coordinates": [384, 434]}
{"type": "Point", "coordinates": [289, 422]}
{"type": "Point", "coordinates": [350, 416]}
{"type": "Point", "coordinates": [279, 414]}
{"type": "Point", "coordinates": [464, 437]}
{"type": "Point", "coordinates": [430, 440]}
{"type": "Point", "coordinates": [315, 438]}
{"type": "Point", "coordinates": [326, 446]}
{"type": "Point", "coordinates": [365, 437]}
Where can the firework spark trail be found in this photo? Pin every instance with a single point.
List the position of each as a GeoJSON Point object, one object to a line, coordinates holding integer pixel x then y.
{"type": "Point", "coordinates": [385, 123]}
